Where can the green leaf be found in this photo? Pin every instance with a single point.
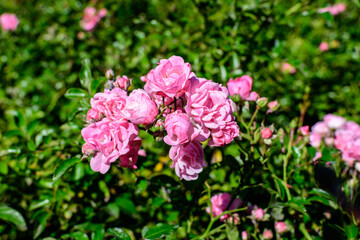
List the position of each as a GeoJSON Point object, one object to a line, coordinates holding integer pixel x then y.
{"type": "Point", "coordinates": [4, 169]}
{"type": "Point", "coordinates": [11, 215]}
{"type": "Point", "coordinates": [42, 218]}
{"type": "Point", "coordinates": [15, 132]}
{"type": "Point", "coordinates": [85, 74]}
{"type": "Point", "coordinates": [126, 205]}
{"type": "Point", "coordinates": [76, 93]}
{"type": "Point", "coordinates": [118, 233]}
{"type": "Point", "coordinates": [64, 166]}
{"type": "Point", "coordinates": [351, 231]}
{"type": "Point", "coordinates": [35, 205]}
{"type": "Point", "coordinates": [96, 84]}
{"type": "Point", "coordinates": [75, 236]}
{"type": "Point", "coordinates": [159, 230]}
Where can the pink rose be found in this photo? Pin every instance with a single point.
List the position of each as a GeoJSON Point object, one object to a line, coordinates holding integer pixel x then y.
{"type": "Point", "coordinates": [334, 122]}
{"type": "Point", "coordinates": [288, 68]}
{"type": "Point", "coordinates": [304, 130]}
{"type": "Point", "coordinates": [169, 79]}
{"type": "Point", "coordinates": [93, 115]}
{"type": "Point", "coordinates": [241, 86]}
{"type": "Point", "coordinates": [122, 82]}
{"type": "Point", "coordinates": [208, 104]}
{"type": "Point", "coordinates": [224, 135]}
{"type": "Point", "coordinates": [178, 127]}
{"type": "Point", "coordinates": [91, 19]}
{"type": "Point", "coordinates": [219, 203]}
{"type": "Point", "coordinates": [188, 160]}
{"type": "Point", "coordinates": [321, 128]}
{"type": "Point", "coordinates": [139, 108]}
{"type": "Point", "coordinates": [267, 234]}
{"type": "Point", "coordinates": [266, 133]}
{"type": "Point", "coordinates": [110, 103]}
{"type": "Point", "coordinates": [9, 22]}
{"type": "Point", "coordinates": [258, 213]}
{"type": "Point", "coordinates": [333, 10]}
{"type": "Point", "coordinates": [110, 140]}
{"type": "Point", "coordinates": [280, 227]}
{"type": "Point", "coordinates": [324, 46]}
{"type": "Point", "coordinates": [252, 97]}
{"type": "Point", "coordinates": [315, 140]}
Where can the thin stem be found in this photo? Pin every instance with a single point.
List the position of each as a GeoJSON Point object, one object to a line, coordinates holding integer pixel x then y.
{"type": "Point", "coordinates": [253, 117]}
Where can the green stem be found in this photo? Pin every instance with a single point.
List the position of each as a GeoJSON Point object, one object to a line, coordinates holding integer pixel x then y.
{"type": "Point", "coordinates": [253, 117]}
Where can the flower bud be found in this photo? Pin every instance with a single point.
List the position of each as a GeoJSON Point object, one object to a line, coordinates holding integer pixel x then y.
{"type": "Point", "coordinates": [280, 227]}
{"type": "Point", "coordinates": [244, 235]}
{"type": "Point", "coordinates": [267, 234]}
{"type": "Point", "coordinates": [261, 102]}
{"type": "Point", "coordinates": [258, 213]}
{"type": "Point", "coordinates": [266, 133]}
{"type": "Point", "coordinates": [304, 130]}
{"type": "Point", "coordinates": [109, 74]}
{"type": "Point", "coordinates": [273, 106]}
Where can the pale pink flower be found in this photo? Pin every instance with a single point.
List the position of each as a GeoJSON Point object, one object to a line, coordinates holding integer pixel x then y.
{"type": "Point", "coordinates": [329, 141]}
{"type": "Point", "coordinates": [333, 10]}
{"type": "Point", "coordinates": [267, 234]}
{"type": "Point", "coordinates": [102, 12]}
{"type": "Point", "coordinates": [280, 227]}
{"type": "Point", "coordinates": [219, 203]}
{"type": "Point", "coordinates": [321, 128]}
{"type": "Point", "coordinates": [266, 133]}
{"type": "Point", "coordinates": [258, 213]}
{"type": "Point", "coordinates": [304, 130]}
{"type": "Point", "coordinates": [244, 235]}
{"type": "Point", "coordinates": [241, 86]}
{"type": "Point", "coordinates": [9, 22]}
{"type": "Point", "coordinates": [288, 68]}
{"type": "Point", "coordinates": [334, 122]}
{"type": "Point", "coordinates": [109, 73]}
{"type": "Point", "coordinates": [87, 150]}
{"type": "Point", "coordinates": [252, 97]}
{"type": "Point", "coordinates": [110, 103]}
{"type": "Point", "coordinates": [142, 153]}
{"type": "Point", "coordinates": [315, 140]}
{"type": "Point", "coordinates": [110, 140]}
{"type": "Point", "coordinates": [324, 46]}
{"type": "Point", "coordinates": [169, 79]}
{"type": "Point", "coordinates": [140, 108]}
{"type": "Point", "coordinates": [122, 82]}
{"type": "Point", "coordinates": [91, 18]}
{"type": "Point", "coordinates": [188, 160]}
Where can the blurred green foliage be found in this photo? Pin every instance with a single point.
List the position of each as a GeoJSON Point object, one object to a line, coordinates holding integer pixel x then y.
{"type": "Point", "coordinates": [221, 40]}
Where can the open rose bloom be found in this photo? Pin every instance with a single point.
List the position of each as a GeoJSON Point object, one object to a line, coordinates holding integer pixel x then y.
{"type": "Point", "coordinates": [9, 22]}
{"type": "Point", "coordinates": [185, 111]}
{"type": "Point", "coordinates": [219, 203]}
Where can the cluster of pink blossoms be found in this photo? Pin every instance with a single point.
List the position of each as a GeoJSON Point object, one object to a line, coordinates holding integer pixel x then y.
{"type": "Point", "coordinates": [8, 21]}
{"type": "Point", "coordinates": [343, 135]}
{"type": "Point", "coordinates": [91, 18]}
{"type": "Point", "coordinates": [190, 109]}
{"type": "Point", "coordinates": [334, 9]}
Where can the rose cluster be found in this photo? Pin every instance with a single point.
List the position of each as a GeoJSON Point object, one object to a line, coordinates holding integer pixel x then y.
{"type": "Point", "coordinates": [91, 18]}
{"type": "Point", "coordinates": [343, 135]}
{"type": "Point", "coordinates": [183, 109]}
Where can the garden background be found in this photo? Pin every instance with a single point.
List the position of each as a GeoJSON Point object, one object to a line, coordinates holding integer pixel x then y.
{"type": "Point", "coordinates": [40, 127]}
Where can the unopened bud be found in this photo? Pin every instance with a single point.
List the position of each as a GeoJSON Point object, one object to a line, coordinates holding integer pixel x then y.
{"type": "Point", "coordinates": [261, 102]}
{"type": "Point", "coordinates": [273, 106]}
{"type": "Point", "coordinates": [109, 74]}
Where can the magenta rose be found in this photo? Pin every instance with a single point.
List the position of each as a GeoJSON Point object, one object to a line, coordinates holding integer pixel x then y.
{"type": "Point", "coordinates": [188, 160]}
{"type": "Point", "coordinates": [110, 140]}
{"type": "Point", "coordinates": [110, 103]}
{"type": "Point", "coordinates": [140, 108]}
{"type": "Point", "coordinates": [241, 86]}
{"type": "Point", "coordinates": [169, 79]}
